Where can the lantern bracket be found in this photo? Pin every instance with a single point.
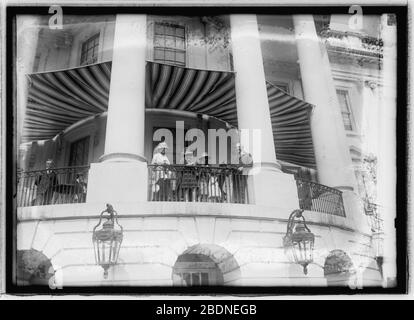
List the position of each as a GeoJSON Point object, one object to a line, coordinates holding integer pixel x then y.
{"type": "Point", "coordinates": [111, 218]}
{"type": "Point", "coordinates": [291, 222]}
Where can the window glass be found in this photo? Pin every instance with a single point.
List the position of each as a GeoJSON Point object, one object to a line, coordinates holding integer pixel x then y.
{"type": "Point", "coordinates": [343, 98]}
{"type": "Point", "coordinates": [283, 86]}
{"type": "Point", "coordinates": [159, 54]}
{"type": "Point", "coordinates": [89, 53]}
{"type": "Point", "coordinates": [169, 44]}
{"type": "Point", "coordinates": [79, 151]}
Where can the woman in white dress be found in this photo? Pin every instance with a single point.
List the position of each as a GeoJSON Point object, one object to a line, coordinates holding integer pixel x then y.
{"type": "Point", "coordinates": [161, 188]}
{"type": "Point", "coordinates": [209, 187]}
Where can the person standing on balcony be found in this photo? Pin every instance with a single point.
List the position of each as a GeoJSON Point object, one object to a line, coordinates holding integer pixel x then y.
{"type": "Point", "coordinates": [160, 157]}
{"type": "Point", "coordinates": [245, 158]}
{"type": "Point", "coordinates": [161, 182]}
{"type": "Point", "coordinates": [187, 181]}
{"type": "Point", "coordinates": [189, 159]}
{"type": "Point", "coordinates": [208, 181]}
{"type": "Point", "coordinates": [240, 186]}
{"type": "Point", "coordinates": [46, 184]}
{"type": "Point", "coordinates": [203, 177]}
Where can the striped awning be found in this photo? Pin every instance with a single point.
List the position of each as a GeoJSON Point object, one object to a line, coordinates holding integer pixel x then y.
{"type": "Point", "coordinates": [59, 99]}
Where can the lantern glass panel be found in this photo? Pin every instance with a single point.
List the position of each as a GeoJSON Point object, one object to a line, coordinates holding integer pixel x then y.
{"type": "Point", "coordinates": [107, 251]}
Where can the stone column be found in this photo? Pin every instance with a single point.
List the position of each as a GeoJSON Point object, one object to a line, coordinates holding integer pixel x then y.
{"type": "Point", "coordinates": [333, 159]}
{"type": "Point", "coordinates": [386, 165]}
{"type": "Point", "coordinates": [122, 174]}
{"type": "Point", "coordinates": [267, 185]}
{"type": "Point", "coordinates": [370, 117]}
{"type": "Point", "coordinates": [329, 138]}
{"type": "Point", "coordinates": [27, 29]}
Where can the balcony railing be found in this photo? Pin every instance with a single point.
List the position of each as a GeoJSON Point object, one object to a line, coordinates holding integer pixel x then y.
{"type": "Point", "coordinates": [317, 197]}
{"type": "Point", "coordinates": [222, 184]}
{"type": "Point", "coordinates": [53, 186]}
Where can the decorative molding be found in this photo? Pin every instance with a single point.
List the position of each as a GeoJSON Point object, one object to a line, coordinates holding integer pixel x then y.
{"type": "Point", "coordinates": [122, 155]}
{"type": "Point", "coordinates": [371, 84]}
{"type": "Point", "coordinates": [353, 46]}
{"type": "Point", "coordinates": [359, 77]}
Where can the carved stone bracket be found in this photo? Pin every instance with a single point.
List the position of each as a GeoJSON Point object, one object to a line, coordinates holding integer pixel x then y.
{"type": "Point", "coordinates": [371, 84]}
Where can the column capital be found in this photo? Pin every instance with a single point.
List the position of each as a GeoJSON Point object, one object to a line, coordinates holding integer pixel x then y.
{"type": "Point", "coordinates": [371, 84]}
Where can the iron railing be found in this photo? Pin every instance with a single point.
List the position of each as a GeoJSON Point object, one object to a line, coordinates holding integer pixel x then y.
{"type": "Point", "coordinates": [223, 184]}
{"type": "Point", "coordinates": [318, 197]}
{"type": "Point", "coordinates": [52, 186]}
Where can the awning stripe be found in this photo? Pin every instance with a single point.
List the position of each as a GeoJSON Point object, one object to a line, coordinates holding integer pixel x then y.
{"type": "Point", "coordinates": [49, 102]}
{"type": "Point", "coordinates": [291, 127]}
{"type": "Point", "coordinates": [61, 98]}
{"type": "Point", "coordinates": [200, 79]}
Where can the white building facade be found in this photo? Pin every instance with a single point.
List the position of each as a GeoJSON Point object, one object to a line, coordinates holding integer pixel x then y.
{"type": "Point", "coordinates": [93, 96]}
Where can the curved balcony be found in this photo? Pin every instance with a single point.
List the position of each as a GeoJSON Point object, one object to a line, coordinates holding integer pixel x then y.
{"type": "Point", "coordinates": [52, 186]}
{"type": "Point", "coordinates": [177, 183]}
{"type": "Point", "coordinates": [198, 183]}
{"type": "Point", "coordinates": [318, 197]}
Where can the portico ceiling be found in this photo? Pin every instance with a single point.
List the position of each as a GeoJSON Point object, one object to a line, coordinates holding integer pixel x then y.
{"type": "Point", "coordinates": [59, 99]}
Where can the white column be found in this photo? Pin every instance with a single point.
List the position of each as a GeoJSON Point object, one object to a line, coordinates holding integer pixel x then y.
{"type": "Point", "coordinates": [126, 106]}
{"type": "Point", "coordinates": [386, 166]}
{"type": "Point", "coordinates": [329, 138]}
{"type": "Point", "coordinates": [251, 93]}
{"type": "Point", "coordinates": [370, 118]}
{"type": "Point", "coordinates": [333, 159]}
{"type": "Point", "coordinates": [122, 174]}
{"type": "Point", "coordinates": [267, 185]}
{"type": "Point", "coordinates": [27, 29]}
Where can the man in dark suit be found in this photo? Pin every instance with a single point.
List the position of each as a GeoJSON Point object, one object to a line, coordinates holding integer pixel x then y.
{"type": "Point", "coordinates": [46, 184]}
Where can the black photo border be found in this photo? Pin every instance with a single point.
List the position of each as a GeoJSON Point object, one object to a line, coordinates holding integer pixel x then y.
{"type": "Point", "coordinates": [402, 140]}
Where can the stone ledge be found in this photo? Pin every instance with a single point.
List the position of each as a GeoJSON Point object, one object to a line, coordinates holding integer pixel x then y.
{"type": "Point", "coordinates": [179, 209]}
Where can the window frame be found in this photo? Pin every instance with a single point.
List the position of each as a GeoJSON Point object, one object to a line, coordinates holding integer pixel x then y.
{"type": "Point", "coordinates": [94, 59]}
{"type": "Point", "coordinates": [165, 48]}
{"type": "Point", "coordinates": [281, 85]}
{"type": "Point", "coordinates": [349, 113]}
{"type": "Point", "coordinates": [87, 150]}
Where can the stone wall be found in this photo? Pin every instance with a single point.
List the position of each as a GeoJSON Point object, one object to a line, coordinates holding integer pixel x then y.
{"type": "Point", "coordinates": [155, 234]}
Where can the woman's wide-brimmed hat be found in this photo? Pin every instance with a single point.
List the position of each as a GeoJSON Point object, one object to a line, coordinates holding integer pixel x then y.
{"type": "Point", "coordinates": [161, 145]}
{"type": "Point", "coordinates": [187, 151]}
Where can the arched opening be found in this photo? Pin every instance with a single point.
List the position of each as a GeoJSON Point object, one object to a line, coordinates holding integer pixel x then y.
{"type": "Point", "coordinates": [33, 268]}
{"type": "Point", "coordinates": [338, 268]}
{"type": "Point", "coordinates": [205, 265]}
{"type": "Point", "coordinates": [196, 270]}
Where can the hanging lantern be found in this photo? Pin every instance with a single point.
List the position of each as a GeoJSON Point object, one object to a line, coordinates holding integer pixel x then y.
{"type": "Point", "coordinates": [299, 240]}
{"type": "Point", "coordinates": [107, 240]}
